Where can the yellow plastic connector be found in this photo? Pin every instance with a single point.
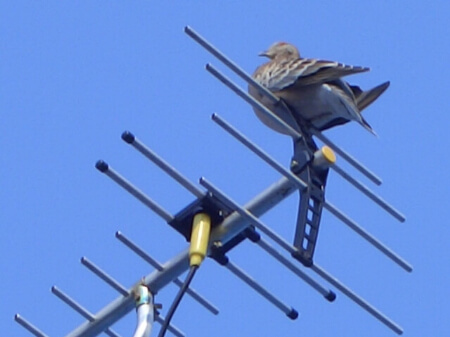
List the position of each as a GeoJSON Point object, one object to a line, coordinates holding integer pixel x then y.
{"type": "Point", "coordinates": [201, 229]}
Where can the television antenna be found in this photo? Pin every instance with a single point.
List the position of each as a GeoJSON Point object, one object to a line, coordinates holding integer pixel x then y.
{"type": "Point", "coordinates": [233, 223]}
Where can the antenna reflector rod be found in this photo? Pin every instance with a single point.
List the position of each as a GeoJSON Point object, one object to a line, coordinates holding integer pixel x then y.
{"type": "Point", "coordinates": [250, 100]}
{"type": "Point", "coordinates": [72, 303]}
{"type": "Point", "coordinates": [368, 237]}
{"type": "Point", "coordinates": [375, 198]}
{"type": "Point", "coordinates": [358, 300]}
{"type": "Point", "coordinates": [128, 137]}
{"type": "Point", "coordinates": [30, 327]}
{"type": "Point", "coordinates": [328, 294]}
{"type": "Point", "coordinates": [350, 159]}
{"type": "Point", "coordinates": [289, 311]}
{"type": "Point", "coordinates": [258, 151]}
{"type": "Point", "coordinates": [138, 194]}
{"type": "Point", "coordinates": [104, 276]}
{"type": "Point", "coordinates": [135, 248]}
{"type": "Point", "coordinates": [233, 66]}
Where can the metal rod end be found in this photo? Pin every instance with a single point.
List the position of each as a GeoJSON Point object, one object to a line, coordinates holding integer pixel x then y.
{"type": "Point", "coordinates": [293, 314]}
{"type": "Point", "coordinates": [118, 234]}
{"type": "Point", "coordinates": [101, 166]}
{"type": "Point", "coordinates": [331, 296]}
{"type": "Point", "coordinates": [128, 137]}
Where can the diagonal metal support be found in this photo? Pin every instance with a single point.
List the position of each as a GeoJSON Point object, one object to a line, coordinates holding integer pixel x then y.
{"type": "Point", "coordinates": [80, 309]}
{"type": "Point", "coordinates": [129, 138]}
{"type": "Point", "coordinates": [254, 103]}
{"type": "Point", "coordinates": [30, 327]}
{"type": "Point", "coordinates": [104, 276]}
{"type": "Point", "coordinates": [225, 60]}
{"type": "Point", "coordinates": [349, 158]}
{"type": "Point", "coordinates": [241, 274]}
{"type": "Point", "coordinates": [358, 300]}
{"type": "Point", "coordinates": [328, 294]}
{"type": "Point", "coordinates": [138, 194]}
{"type": "Point", "coordinates": [365, 190]}
{"type": "Point", "coordinates": [72, 303]}
{"type": "Point", "coordinates": [368, 237]}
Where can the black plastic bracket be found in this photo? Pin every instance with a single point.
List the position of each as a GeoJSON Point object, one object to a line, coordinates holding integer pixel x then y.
{"type": "Point", "coordinates": [182, 221]}
{"type": "Point", "coordinates": [218, 252]}
{"type": "Point", "coordinates": [311, 201]}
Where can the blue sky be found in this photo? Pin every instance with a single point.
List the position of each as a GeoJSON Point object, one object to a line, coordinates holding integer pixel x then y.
{"type": "Point", "coordinates": [74, 75]}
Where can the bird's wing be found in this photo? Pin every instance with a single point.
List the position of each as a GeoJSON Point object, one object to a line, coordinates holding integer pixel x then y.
{"type": "Point", "coordinates": [278, 74]}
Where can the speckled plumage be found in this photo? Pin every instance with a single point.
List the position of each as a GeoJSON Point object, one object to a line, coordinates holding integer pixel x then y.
{"type": "Point", "coordinates": [312, 89]}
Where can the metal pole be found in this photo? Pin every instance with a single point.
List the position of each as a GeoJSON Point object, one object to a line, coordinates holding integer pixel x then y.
{"type": "Point", "coordinates": [250, 100]}
{"type": "Point", "coordinates": [361, 302]}
{"type": "Point", "coordinates": [364, 189]}
{"type": "Point", "coordinates": [328, 294]}
{"type": "Point", "coordinates": [233, 66]}
{"type": "Point", "coordinates": [104, 276]}
{"type": "Point", "coordinates": [145, 311]}
{"type": "Point", "coordinates": [80, 309]}
{"type": "Point", "coordinates": [110, 172]}
{"type": "Point", "coordinates": [30, 327]}
{"type": "Point", "coordinates": [289, 311]}
{"type": "Point", "coordinates": [161, 163]}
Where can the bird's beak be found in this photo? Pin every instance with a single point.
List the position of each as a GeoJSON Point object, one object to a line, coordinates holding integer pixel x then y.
{"type": "Point", "coordinates": [263, 54]}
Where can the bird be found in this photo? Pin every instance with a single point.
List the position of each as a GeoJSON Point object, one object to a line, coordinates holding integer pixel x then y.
{"type": "Point", "coordinates": [312, 89]}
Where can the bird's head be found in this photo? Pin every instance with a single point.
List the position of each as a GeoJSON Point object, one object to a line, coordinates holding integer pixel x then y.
{"type": "Point", "coordinates": [279, 49]}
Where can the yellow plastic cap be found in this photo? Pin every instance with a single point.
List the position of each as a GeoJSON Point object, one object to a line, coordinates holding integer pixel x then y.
{"type": "Point", "coordinates": [328, 154]}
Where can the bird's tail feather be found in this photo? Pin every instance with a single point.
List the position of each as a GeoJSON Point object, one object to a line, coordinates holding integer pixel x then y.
{"type": "Point", "coordinates": [365, 98]}
{"type": "Point", "coordinates": [367, 126]}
